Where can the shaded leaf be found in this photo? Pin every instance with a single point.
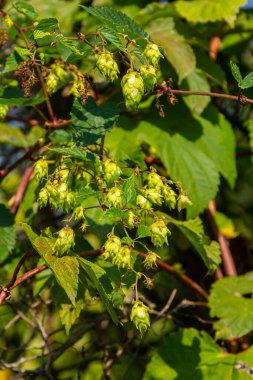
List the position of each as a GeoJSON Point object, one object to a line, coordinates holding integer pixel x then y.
{"type": "Point", "coordinates": [100, 280]}
{"type": "Point", "coordinates": [143, 231]}
{"type": "Point", "coordinates": [110, 35]}
{"type": "Point", "coordinates": [15, 137]}
{"type": "Point", "coordinates": [7, 232]}
{"type": "Point", "coordinates": [247, 81]}
{"type": "Point", "coordinates": [236, 73]}
{"type": "Point", "coordinates": [65, 268]}
{"type": "Point", "coordinates": [25, 8]}
{"type": "Point", "coordinates": [231, 301]}
{"type": "Point", "coordinates": [196, 81]}
{"type": "Point", "coordinates": [70, 314]}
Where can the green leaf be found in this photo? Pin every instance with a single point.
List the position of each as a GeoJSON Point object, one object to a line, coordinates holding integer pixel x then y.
{"type": "Point", "coordinates": [209, 10]}
{"type": "Point", "coordinates": [13, 60]}
{"type": "Point", "coordinates": [74, 152]}
{"type": "Point", "coordinates": [7, 232]}
{"type": "Point", "coordinates": [65, 268]}
{"type": "Point", "coordinates": [190, 354]}
{"type": "Point", "coordinates": [209, 252]}
{"type": "Point", "coordinates": [117, 20]}
{"type": "Point", "coordinates": [26, 9]}
{"type": "Point", "coordinates": [231, 301]}
{"type": "Point", "coordinates": [176, 49]}
{"type": "Point", "coordinates": [196, 81]}
{"type": "Point", "coordinates": [70, 314]}
{"type": "Point", "coordinates": [143, 231]}
{"type": "Point", "coordinates": [15, 137]}
{"type": "Point", "coordinates": [45, 27]}
{"type": "Point", "coordinates": [25, 54]}
{"type": "Point", "coordinates": [236, 73]}
{"type": "Point", "coordinates": [113, 213]}
{"type": "Point", "coordinates": [91, 122]}
{"type": "Point", "coordinates": [14, 96]}
{"type": "Point", "coordinates": [128, 189]}
{"type": "Point", "coordinates": [247, 81]}
{"type": "Point", "coordinates": [110, 35]}
{"type": "Point", "coordinates": [99, 278]}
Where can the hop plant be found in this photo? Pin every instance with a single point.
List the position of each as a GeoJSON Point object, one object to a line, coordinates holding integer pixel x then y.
{"type": "Point", "coordinates": [51, 83]}
{"type": "Point", "coordinates": [3, 111]}
{"type": "Point", "coordinates": [65, 241]}
{"type": "Point", "coordinates": [143, 202]}
{"type": "Point", "coordinates": [108, 66]}
{"type": "Point", "coordinates": [40, 169]}
{"type": "Point", "coordinates": [70, 201]}
{"type": "Point", "coordinates": [153, 54]}
{"type": "Point", "coordinates": [130, 219]}
{"type": "Point", "coordinates": [43, 197]}
{"type": "Point", "coordinates": [183, 201]}
{"type": "Point", "coordinates": [169, 195]}
{"type": "Point", "coordinates": [159, 233]}
{"type": "Point", "coordinates": [112, 246]}
{"type": "Point", "coordinates": [140, 316]}
{"type": "Point", "coordinates": [114, 198]}
{"type": "Point", "coordinates": [150, 261]}
{"type": "Point", "coordinates": [149, 76]}
{"type": "Point", "coordinates": [111, 171]}
{"type": "Point", "coordinates": [79, 213]}
{"type": "Point", "coordinates": [123, 258]}
{"type": "Point", "coordinates": [133, 90]}
{"type": "Point", "coordinates": [154, 196]}
{"type": "Point", "coordinates": [154, 180]}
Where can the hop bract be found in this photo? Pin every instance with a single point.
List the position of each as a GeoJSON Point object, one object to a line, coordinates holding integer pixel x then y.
{"type": "Point", "coordinates": [51, 83]}
{"type": "Point", "coordinates": [65, 241]}
{"type": "Point", "coordinates": [43, 197]}
{"type": "Point", "coordinates": [153, 54]}
{"type": "Point", "coordinates": [183, 201]}
{"type": "Point", "coordinates": [112, 246]}
{"type": "Point", "coordinates": [143, 202]}
{"type": "Point", "coordinates": [154, 180]}
{"type": "Point", "coordinates": [169, 195]}
{"type": "Point", "coordinates": [3, 111]}
{"type": "Point", "coordinates": [129, 219]}
{"type": "Point", "coordinates": [159, 233]}
{"type": "Point", "coordinates": [140, 316]}
{"type": "Point", "coordinates": [111, 171]}
{"type": "Point", "coordinates": [149, 76]}
{"type": "Point", "coordinates": [40, 169]}
{"type": "Point", "coordinates": [154, 196]}
{"type": "Point", "coordinates": [108, 66]}
{"type": "Point", "coordinates": [133, 90]}
{"type": "Point", "coordinates": [150, 261]}
{"type": "Point", "coordinates": [79, 213]}
{"type": "Point", "coordinates": [114, 197]}
{"type": "Point", "coordinates": [123, 258]}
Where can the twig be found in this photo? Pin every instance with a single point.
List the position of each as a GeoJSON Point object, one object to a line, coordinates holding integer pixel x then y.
{"type": "Point", "coordinates": [27, 155]}
{"type": "Point", "coordinates": [243, 99]}
{"type": "Point", "coordinates": [227, 258]}
{"type": "Point", "coordinates": [94, 252]}
{"type": "Point", "coordinates": [21, 189]}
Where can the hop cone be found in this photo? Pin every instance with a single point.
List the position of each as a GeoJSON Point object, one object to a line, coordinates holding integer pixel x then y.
{"type": "Point", "coordinates": [133, 89]}
{"type": "Point", "coordinates": [148, 73]}
{"type": "Point", "coordinates": [153, 54]}
{"type": "Point", "coordinates": [108, 66]}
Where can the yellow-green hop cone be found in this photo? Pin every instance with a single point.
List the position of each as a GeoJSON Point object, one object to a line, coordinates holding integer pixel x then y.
{"type": "Point", "coordinates": [43, 197]}
{"type": "Point", "coordinates": [154, 196]}
{"type": "Point", "coordinates": [143, 202]}
{"type": "Point", "coordinates": [70, 202]}
{"type": "Point", "coordinates": [108, 66]}
{"type": "Point", "coordinates": [169, 195]}
{"type": "Point", "coordinates": [112, 246]}
{"type": "Point", "coordinates": [153, 54]}
{"type": "Point", "coordinates": [59, 71]}
{"type": "Point", "coordinates": [114, 198]}
{"type": "Point", "coordinates": [149, 76]}
{"type": "Point", "coordinates": [65, 241]}
{"type": "Point", "coordinates": [3, 111]}
{"type": "Point", "coordinates": [183, 201]}
{"type": "Point", "coordinates": [111, 171]}
{"type": "Point", "coordinates": [79, 213]}
{"type": "Point", "coordinates": [140, 316]}
{"type": "Point", "coordinates": [159, 233]}
{"type": "Point", "coordinates": [133, 90]}
{"type": "Point", "coordinates": [40, 169]}
{"type": "Point", "coordinates": [129, 219]}
{"type": "Point", "coordinates": [123, 258]}
{"type": "Point", "coordinates": [51, 83]}
{"type": "Point", "coordinates": [150, 261]}
{"type": "Point", "coordinates": [154, 180]}
{"type": "Point", "coordinates": [63, 173]}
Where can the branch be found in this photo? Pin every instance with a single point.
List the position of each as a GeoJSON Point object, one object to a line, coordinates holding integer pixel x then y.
{"type": "Point", "coordinates": [241, 98]}
{"type": "Point", "coordinates": [21, 190]}
{"type": "Point", "coordinates": [27, 155]}
{"type": "Point", "coordinates": [227, 258]}
{"type": "Point", "coordinates": [5, 292]}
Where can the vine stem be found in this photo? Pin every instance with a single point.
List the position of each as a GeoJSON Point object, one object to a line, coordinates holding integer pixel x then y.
{"type": "Point", "coordinates": [227, 258]}
{"type": "Point", "coordinates": [243, 99]}
{"type": "Point", "coordinates": [5, 292]}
